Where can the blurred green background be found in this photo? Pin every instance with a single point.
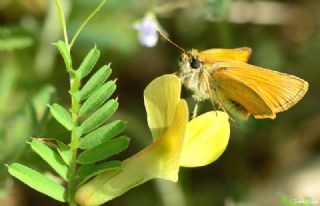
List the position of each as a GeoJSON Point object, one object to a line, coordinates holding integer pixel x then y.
{"type": "Point", "coordinates": [265, 161]}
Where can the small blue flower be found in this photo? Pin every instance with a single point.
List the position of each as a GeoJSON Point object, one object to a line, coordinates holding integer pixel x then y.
{"type": "Point", "coordinates": [147, 29]}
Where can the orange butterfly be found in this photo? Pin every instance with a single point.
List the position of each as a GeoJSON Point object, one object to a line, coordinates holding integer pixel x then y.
{"type": "Point", "coordinates": [223, 76]}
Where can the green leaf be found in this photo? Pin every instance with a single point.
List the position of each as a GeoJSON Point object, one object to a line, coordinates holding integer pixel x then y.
{"type": "Point", "coordinates": [62, 47]}
{"type": "Point", "coordinates": [51, 157]}
{"type": "Point", "coordinates": [15, 42]}
{"type": "Point", "coordinates": [8, 77]}
{"type": "Point", "coordinates": [75, 83]}
{"type": "Point", "coordinates": [95, 81]}
{"type": "Point", "coordinates": [102, 134]}
{"type": "Point", "coordinates": [62, 22]}
{"type": "Point", "coordinates": [97, 98]}
{"type": "Point", "coordinates": [38, 181]}
{"type": "Point", "coordinates": [93, 171]}
{"type": "Point", "coordinates": [99, 116]}
{"type": "Point", "coordinates": [61, 115]}
{"type": "Point", "coordinates": [39, 108]}
{"type": "Point", "coordinates": [85, 170]}
{"type": "Point", "coordinates": [65, 152]}
{"type": "Point", "coordinates": [104, 150]}
{"type": "Point", "coordinates": [33, 115]}
{"type": "Point", "coordinates": [88, 63]}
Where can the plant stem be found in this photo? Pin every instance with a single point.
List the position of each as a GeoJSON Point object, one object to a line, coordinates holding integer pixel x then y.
{"type": "Point", "coordinates": [75, 136]}
{"type": "Point", "coordinates": [62, 22]}
{"type": "Point", "coordinates": [71, 179]}
{"type": "Point", "coordinates": [72, 184]}
{"type": "Point", "coordinates": [86, 21]}
{"type": "Point", "coordinates": [74, 87]}
{"type": "Point", "coordinates": [75, 103]}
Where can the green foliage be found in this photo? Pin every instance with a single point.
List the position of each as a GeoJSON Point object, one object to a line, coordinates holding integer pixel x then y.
{"type": "Point", "coordinates": [87, 171]}
{"type": "Point", "coordinates": [18, 121]}
{"type": "Point", "coordinates": [102, 134]}
{"type": "Point", "coordinates": [7, 79]}
{"type": "Point", "coordinates": [65, 152]}
{"type": "Point", "coordinates": [95, 81]}
{"type": "Point", "coordinates": [61, 156]}
{"type": "Point", "coordinates": [287, 201]}
{"type": "Point", "coordinates": [61, 115]}
{"type": "Point", "coordinates": [104, 150]}
{"type": "Point", "coordinates": [64, 51]}
{"type": "Point", "coordinates": [88, 63]}
{"type": "Point", "coordinates": [86, 21]}
{"type": "Point", "coordinates": [97, 98]}
{"type": "Point", "coordinates": [11, 39]}
{"type": "Point", "coordinates": [51, 157]}
{"type": "Point", "coordinates": [291, 46]}
{"type": "Point", "coordinates": [40, 112]}
{"type": "Point", "coordinates": [90, 109]}
{"type": "Point", "coordinates": [99, 116]}
{"type": "Point", "coordinates": [38, 181]}
{"type": "Point", "coordinates": [14, 43]}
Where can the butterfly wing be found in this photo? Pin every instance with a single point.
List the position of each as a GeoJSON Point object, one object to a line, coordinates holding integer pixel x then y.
{"type": "Point", "coordinates": [211, 56]}
{"type": "Point", "coordinates": [260, 91]}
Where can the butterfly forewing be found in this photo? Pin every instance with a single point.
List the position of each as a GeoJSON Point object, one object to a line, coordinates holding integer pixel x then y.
{"type": "Point", "coordinates": [257, 89]}
{"type": "Point", "coordinates": [211, 56]}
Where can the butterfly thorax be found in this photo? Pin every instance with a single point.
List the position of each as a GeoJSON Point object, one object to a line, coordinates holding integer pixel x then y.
{"type": "Point", "coordinates": [194, 74]}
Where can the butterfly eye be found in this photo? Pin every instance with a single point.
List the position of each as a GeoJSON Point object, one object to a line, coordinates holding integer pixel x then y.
{"type": "Point", "coordinates": [194, 63]}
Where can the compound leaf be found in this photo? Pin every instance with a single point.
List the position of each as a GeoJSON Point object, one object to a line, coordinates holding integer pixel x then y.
{"type": "Point", "coordinates": [38, 181]}
{"type": "Point", "coordinates": [51, 157]}
{"type": "Point", "coordinates": [104, 150]}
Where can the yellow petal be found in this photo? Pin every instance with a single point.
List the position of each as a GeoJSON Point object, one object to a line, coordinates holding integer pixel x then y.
{"type": "Point", "coordinates": [158, 160]}
{"type": "Point", "coordinates": [206, 139]}
{"type": "Point", "coordinates": [169, 146]}
{"type": "Point", "coordinates": [161, 98]}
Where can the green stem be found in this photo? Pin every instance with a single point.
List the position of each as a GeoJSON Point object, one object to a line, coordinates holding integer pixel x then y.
{"type": "Point", "coordinates": [75, 103]}
{"type": "Point", "coordinates": [71, 179]}
{"type": "Point", "coordinates": [74, 87]}
{"type": "Point", "coordinates": [75, 136]}
{"type": "Point", "coordinates": [85, 22]}
{"type": "Point", "coordinates": [63, 23]}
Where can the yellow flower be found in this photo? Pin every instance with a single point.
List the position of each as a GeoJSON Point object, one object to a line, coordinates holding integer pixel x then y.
{"type": "Point", "coordinates": [177, 142]}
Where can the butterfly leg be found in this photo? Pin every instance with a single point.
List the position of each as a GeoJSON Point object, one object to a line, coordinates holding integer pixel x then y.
{"type": "Point", "coordinates": [223, 109]}
{"type": "Point", "coordinates": [211, 96]}
{"type": "Point", "coordinates": [195, 110]}
{"type": "Point", "coordinates": [218, 101]}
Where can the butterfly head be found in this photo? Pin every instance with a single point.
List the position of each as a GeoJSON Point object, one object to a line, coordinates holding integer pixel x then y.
{"type": "Point", "coordinates": [193, 75]}
{"type": "Point", "coordinates": [190, 61]}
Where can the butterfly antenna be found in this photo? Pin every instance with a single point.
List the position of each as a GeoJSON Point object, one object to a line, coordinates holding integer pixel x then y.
{"type": "Point", "coordinates": [171, 42]}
